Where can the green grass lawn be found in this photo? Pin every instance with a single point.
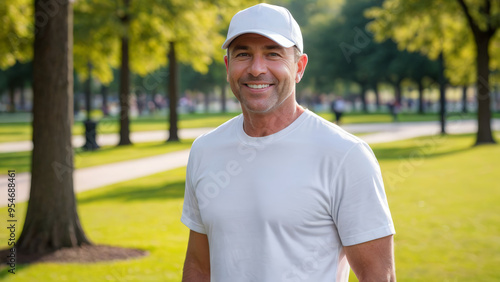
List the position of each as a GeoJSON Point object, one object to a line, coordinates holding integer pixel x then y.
{"type": "Point", "coordinates": [21, 161]}
{"type": "Point", "coordinates": [20, 131]}
{"type": "Point", "coordinates": [444, 197]}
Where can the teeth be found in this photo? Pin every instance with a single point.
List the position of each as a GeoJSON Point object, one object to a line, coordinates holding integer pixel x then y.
{"type": "Point", "coordinates": [258, 86]}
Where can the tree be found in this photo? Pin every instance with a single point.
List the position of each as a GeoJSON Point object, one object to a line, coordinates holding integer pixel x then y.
{"type": "Point", "coordinates": [146, 29]}
{"type": "Point", "coordinates": [423, 72]}
{"type": "Point", "coordinates": [193, 30]}
{"type": "Point", "coordinates": [16, 34]}
{"type": "Point", "coordinates": [96, 40]}
{"type": "Point", "coordinates": [212, 81]}
{"type": "Point", "coordinates": [52, 220]}
{"type": "Point", "coordinates": [16, 45]}
{"type": "Point", "coordinates": [484, 21]}
{"type": "Point", "coordinates": [173, 86]}
{"type": "Point", "coordinates": [125, 18]}
{"type": "Point", "coordinates": [16, 77]}
{"type": "Point", "coordinates": [344, 49]}
{"type": "Point", "coordinates": [108, 33]}
{"type": "Point", "coordinates": [444, 27]}
{"type": "Point", "coordinates": [314, 17]}
{"type": "Point", "coordinates": [341, 49]}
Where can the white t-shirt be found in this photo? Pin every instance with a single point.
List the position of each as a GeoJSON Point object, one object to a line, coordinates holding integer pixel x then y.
{"type": "Point", "coordinates": [281, 207]}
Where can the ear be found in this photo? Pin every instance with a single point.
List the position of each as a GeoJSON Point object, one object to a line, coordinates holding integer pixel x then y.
{"type": "Point", "coordinates": [226, 61]}
{"type": "Point", "coordinates": [301, 68]}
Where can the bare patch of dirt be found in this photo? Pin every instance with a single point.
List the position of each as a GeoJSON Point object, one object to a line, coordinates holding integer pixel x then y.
{"type": "Point", "coordinates": [82, 254]}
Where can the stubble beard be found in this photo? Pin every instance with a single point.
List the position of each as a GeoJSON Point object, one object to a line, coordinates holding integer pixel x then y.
{"type": "Point", "coordinates": [271, 102]}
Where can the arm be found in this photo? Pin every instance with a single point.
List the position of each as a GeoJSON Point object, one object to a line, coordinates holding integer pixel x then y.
{"type": "Point", "coordinates": [373, 260]}
{"type": "Point", "coordinates": [197, 263]}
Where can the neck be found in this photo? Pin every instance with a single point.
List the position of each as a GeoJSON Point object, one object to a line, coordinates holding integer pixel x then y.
{"type": "Point", "coordinates": [264, 124]}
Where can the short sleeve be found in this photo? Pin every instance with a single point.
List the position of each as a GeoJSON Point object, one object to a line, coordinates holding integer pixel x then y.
{"type": "Point", "coordinates": [191, 216]}
{"type": "Point", "coordinates": [359, 206]}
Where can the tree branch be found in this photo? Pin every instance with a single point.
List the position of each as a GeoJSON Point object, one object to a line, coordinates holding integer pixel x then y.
{"type": "Point", "coordinates": [489, 17]}
{"type": "Point", "coordinates": [472, 24]}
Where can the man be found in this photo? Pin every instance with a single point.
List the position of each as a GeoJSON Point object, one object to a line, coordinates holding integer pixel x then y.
{"type": "Point", "coordinates": [338, 106]}
{"type": "Point", "coordinates": [278, 193]}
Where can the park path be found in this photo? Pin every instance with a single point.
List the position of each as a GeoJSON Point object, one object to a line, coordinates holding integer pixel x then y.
{"type": "Point", "coordinates": [98, 176]}
{"type": "Point", "coordinates": [110, 139]}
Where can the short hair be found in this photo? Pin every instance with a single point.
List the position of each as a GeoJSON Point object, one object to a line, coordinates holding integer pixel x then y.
{"type": "Point", "coordinates": [298, 54]}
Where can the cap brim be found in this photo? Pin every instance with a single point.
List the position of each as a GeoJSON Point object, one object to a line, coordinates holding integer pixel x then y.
{"type": "Point", "coordinates": [278, 38]}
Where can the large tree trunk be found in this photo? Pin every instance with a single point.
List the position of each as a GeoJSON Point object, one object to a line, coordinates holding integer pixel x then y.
{"type": "Point", "coordinates": [52, 220]}
{"type": "Point", "coordinates": [88, 92]}
{"type": "Point", "coordinates": [172, 93]}
{"type": "Point", "coordinates": [482, 39]}
{"type": "Point", "coordinates": [442, 94]}
{"type": "Point", "coordinates": [464, 99]}
{"type": "Point", "coordinates": [484, 135]}
{"type": "Point", "coordinates": [125, 81]}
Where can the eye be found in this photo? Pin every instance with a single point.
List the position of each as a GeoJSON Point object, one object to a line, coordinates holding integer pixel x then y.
{"type": "Point", "coordinates": [242, 55]}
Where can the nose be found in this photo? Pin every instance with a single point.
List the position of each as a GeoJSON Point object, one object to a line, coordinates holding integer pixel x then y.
{"type": "Point", "coordinates": [257, 66]}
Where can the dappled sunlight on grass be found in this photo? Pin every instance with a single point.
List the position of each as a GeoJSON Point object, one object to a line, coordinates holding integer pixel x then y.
{"type": "Point", "coordinates": [445, 207]}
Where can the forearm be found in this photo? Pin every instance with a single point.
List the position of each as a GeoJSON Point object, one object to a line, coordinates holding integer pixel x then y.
{"type": "Point", "coordinates": [373, 261]}
{"type": "Point", "coordinates": [197, 263]}
{"type": "Point", "coordinates": [373, 276]}
{"type": "Point", "coordinates": [193, 273]}
{"type": "Point", "coordinates": [380, 269]}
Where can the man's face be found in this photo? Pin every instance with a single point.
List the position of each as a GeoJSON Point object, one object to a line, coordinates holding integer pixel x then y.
{"type": "Point", "coordinates": [263, 74]}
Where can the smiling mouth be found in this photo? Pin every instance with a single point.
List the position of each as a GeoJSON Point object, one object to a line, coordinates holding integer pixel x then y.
{"type": "Point", "coordinates": [258, 86]}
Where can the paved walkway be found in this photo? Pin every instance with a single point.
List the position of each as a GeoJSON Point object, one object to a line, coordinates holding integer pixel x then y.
{"type": "Point", "coordinates": [98, 176]}
{"type": "Point", "coordinates": [110, 139]}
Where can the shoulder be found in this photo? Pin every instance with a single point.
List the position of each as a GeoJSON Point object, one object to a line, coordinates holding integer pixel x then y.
{"type": "Point", "coordinates": [217, 136]}
{"type": "Point", "coordinates": [327, 139]}
{"type": "Point", "coordinates": [325, 133]}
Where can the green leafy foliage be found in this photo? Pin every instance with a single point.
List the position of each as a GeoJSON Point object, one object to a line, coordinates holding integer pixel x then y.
{"type": "Point", "coordinates": [431, 27]}
{"type": "Point", "coordinates": [343, 48]}
{"type": "Point", "coordinates": [194, 26]}
{"type": "Point", "coordinates": [16, 32]}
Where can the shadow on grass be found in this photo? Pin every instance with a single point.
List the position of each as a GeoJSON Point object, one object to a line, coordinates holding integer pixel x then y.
{"type": "Point", "coordinates": [136, 146]}
{"type": "Point", "coordinates": [428, 147]}
{"type": "Point", "coordinates": [414, 151]}
{"type": "Point", "coordinates": [106, 148]}
{"type": "Point", "coordinates": [131, 193]}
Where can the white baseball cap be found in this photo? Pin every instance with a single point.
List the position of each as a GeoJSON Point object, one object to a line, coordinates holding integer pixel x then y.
{"type": "Point", "coordinates": [273, 22]}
